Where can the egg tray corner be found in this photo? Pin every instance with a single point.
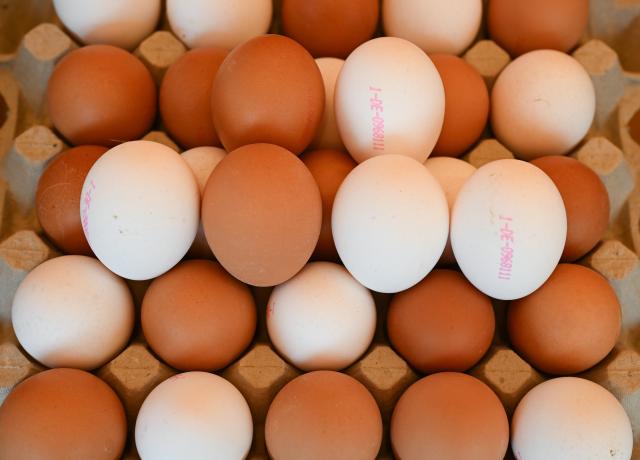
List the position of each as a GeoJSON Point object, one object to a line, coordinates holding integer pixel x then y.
{"type": "Point", "coordinates": [32, 41]}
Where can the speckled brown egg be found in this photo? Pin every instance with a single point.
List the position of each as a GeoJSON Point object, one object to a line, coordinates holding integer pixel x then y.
{"type": "Point", "coordinates": [185, 97]}
{"type": "Point", "coordinates": [269, 89]}
{"type": "Point", "coordinates": [449, 416]}
{"type": "Point", "coordinates": [101, 95]}
{"type": "Point", "coordinates": [197, 317]}
{"type": "Point", "coordinates": [329, 168]}
{"type": "Point", "coordinates": [330, 28]}
{"type": "Point", "coordinates": [262, 213]}
{"type": "Point", "coordinates": [520, 26]}
{"type": "Point", "coordinates": [323, 415]}
{"type": "Point", "coordinates": [466, 105]}
{"type": "Point", "coordinates": [58, 198]}
{"type": "Point", "coordinates": [62, 414]}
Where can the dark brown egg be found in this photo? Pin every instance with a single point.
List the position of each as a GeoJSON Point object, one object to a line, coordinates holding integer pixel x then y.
{"type": "Point", "coordinates": [58, 198]}
{"type": "Point", "coordinates": [269, 89]}
{"type": "Point", "coordinates": [102, 95]}
{"type": "Point", "coordinates": [197, 317]}
{"type": "Point", "coordinates": [569, 324]}
{"type": "Point", "coordinates": [634, 127]}
{"type": "Point", "coordinates": [323, 415]}
{"type": "Point", "coordinates": [62, 414]}
{"type": "Point", "coordinates": [449, 415]}
{"type": "Point", "coordinates": [185, 97]}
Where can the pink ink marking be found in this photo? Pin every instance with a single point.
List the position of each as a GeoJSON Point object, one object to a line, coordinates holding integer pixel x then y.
{"type": "Point", "coordinates": [506, 251]}
{"type": "Point", "coordinates": [86, 205]}
{"type": "Point", "coordinates": [377, 121]}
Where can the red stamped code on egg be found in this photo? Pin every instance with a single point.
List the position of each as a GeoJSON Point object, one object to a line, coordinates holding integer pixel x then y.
{"type": "Point", "coordinates": [86, 205]}
{"type": "Point", "coordinates": [377, 121]}
{"type": "Point", "coordinates": [506, 250]}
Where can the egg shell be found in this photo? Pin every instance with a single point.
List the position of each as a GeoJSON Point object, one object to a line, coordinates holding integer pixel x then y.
{"type": "Point", "coordinates": [269, 89]}
{"type": "Point", "coordinates": [449, 415]}
{"type": "Point", "coordinates": [350, 24]}
{"type": "Point", "coordinates": [195, 415]}
{"type": "Point", "coordinates": [389, 98]}
{"type": "Point", "coordinates": [321, 415]}
{"type": "Point", "coordinates": [222, 23]}
{"type": "Point", "coordinates": [570, 417]}
{"type": "Point", "coordinates": [390, 222]}
{"type": "Point", "coordinates": [71, 311]}
{"type": "Point", "coordinates": [122, 23]}
{"type": "Point", "coordinates": [62, 414]}
{"type": "Point", "coordinates": [262, 214]}
{"type": "Point", "coordinates": [145, 225]}
{"type": "Point", "coordinates": [185, 97]}
{"type": "Point", "coordinates": [327, 135]}
{"type": "Point", "coordinates": [508, 228]}
{"type": "Point", "coordinates": [543, 103]}
{"type": "Point", "coordinates": [101, 95]}
{"type": "Point", "coordinates": [58, 197]}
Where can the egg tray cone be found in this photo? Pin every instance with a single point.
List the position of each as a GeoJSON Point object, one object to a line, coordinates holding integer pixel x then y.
{"type": "Point", "coordinates": [32, 41]}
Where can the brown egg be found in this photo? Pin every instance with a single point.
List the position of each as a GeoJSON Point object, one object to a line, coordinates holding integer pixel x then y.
{"type": "Point", "coordinates": [185, 97]}
{"type": "Point", "coordinates": [329, 168]}
{"type": "Point", "coordinates": [585, 199]}
{"type": "Point", "coordinates": [442, 323]}
{"type": "Point", "coordinates": [330, 28]}
{"type": "Point", "coordinates": [323, 415]}
{"type": "Point", "coordinates": [58, 198]}
{"type": "Point", "coordinates": [102, 95]}
{"type": "Point", "coordinates": [62, 414]}
{"type": "Point", "coordinates": [634, 127]}
{"type": "Point", "coordinates": [449, 416]}
{"type": "Point", "coordinates": [269, 89]}
{"type": "Point", "coordinates": [466, 105]}
{"type": "Point", "coordinates": [569, 324]}
{"type": "Point", "coordinates": [197, 317]}
{"type": "Point", "coordinates": [520, 26]}
{"type": "Point", "coordinates": [261, 213]}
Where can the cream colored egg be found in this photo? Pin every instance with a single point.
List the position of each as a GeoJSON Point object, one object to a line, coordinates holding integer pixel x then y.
{"type": "Point", "coordinates": [328, 136]}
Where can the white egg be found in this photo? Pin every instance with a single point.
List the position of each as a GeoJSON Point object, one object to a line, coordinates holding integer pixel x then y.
{"type": "Point", "coordinates": [436, 26]}
{"type": "Point", "coordinates": [389, 99]}
{"type": "Point", "coordinates": [328, 136]}
{"type": "Point", "coordinates": [123, 23]}
{"type": "Point", "coordinates": [195, 416]}
{"type": "Point", "coordinates": [570, 418]}
{"type": "Point", "coordinates": [140, 209]}
{"type": "Point", "coordinates": [390, 221]}
{"type": "Point", "coordinates": [321, 319]}
{"type": "Point", "coordinates": [508, 228]}
{"type": "Point", "coordinates": [223, 23]}
{"type": "Point", "coordinates": [71, 311]}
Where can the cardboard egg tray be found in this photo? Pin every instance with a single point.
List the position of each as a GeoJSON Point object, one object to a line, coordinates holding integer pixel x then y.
{"type": "Point", "coordinates": [32, 41]}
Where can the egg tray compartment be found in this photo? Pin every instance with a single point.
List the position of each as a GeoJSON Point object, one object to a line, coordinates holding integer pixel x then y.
{"type": "Point", "coordinates": [32, 41]}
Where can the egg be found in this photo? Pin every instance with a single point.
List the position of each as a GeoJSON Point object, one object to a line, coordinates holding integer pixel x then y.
{"type": "Point", "coordinates": [185, 97]}
{"type": "Point", "coordinates": [436, 26]}
{"type": "Point", "coordinates": [585, 199]}
{"type": "Point", "coordinates": [390, 222]}
{"type": "Point", "coordinates": [262, 213]}
{"type": "Point", "coordinates": [542, 103]}
{"type": "Point", "coordinates": [508, 228]}
{"type": "Point", "coordinates": [222, 23]}
{"type": "Point", "coordinates": [441, 324]}
{"type": "Point", "coordinates": [60, 414]}
{"type": "Point", "coordinates": [71, 311]}
{"type": "Point", "coordinates": [101, 95]}
{"type": "Point", "coordinates": [122, 23]}
{"type": "Point", "coordinates": [569, 324]}
{"type": "Point", "coordinates": [322, 318]}
{"type": "Point", "coordinates": [389, 98]}
{"type": "Point", "coordinates": [330, 28]}
{"type": "Point", "coordinates": [466, 105]}
{"type": "Point", "coordinates": [58, 197]}
{"type": "Point", "coordinates": [269, 89]}
{"type": "Point", "coordinates": [198, 317]}
{"type": "Point", "coordinates": [327, 135]}
{"type": "Point", "coordinates": [195, 415]}
{"type": "Point", "coordinates": [143, 226]}
{"type": "Point", "coordinates": [520, 26]}
{"type": "Point", "coordinates": [449, 415]}
{"type": "Point", "coordinates": [329, 168]}
{"type": "Point", "coordinates": [570, 417]}
{"type": "Point", "coordinates": [322, 415]}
